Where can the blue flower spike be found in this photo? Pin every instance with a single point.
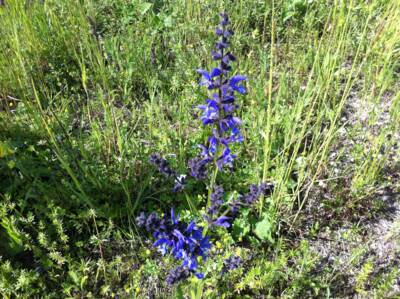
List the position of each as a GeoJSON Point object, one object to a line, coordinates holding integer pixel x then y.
{"type": "Point", "coordinates": [188, 242]}
{"type": "Point", "coordinates": [218, 111]}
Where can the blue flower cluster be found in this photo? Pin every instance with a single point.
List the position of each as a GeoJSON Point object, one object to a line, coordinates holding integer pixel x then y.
{"type": "Point", "coordinates": [231, 263]}
{"type": "Point", "coordinates": [163, 167]}
{"type": "Point", "coordinates": [177, 274]}
{"type": "Point", "coordinates": [243, 200]}
{"type": "Point", "coordinates": [183, 241]}
{"type": "Point", "coordinates": [186, 242]}
{"type": "Point", "coordinates": [216, 203]}
{"type": "Point", "coordinates": [248, 199]}
{"type": "Point", "coordinates": [218, 111]}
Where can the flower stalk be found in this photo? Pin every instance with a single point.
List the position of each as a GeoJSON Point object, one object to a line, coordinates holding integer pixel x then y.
{"type": "Point", "coordinates": [187, 242]}
{"type": "Point", "coordinates": [218, 111]}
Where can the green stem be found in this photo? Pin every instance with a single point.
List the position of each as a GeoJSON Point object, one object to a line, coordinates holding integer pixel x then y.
{"type": "Point", "coordinates": [211, 186]}
{"type": "Point", "coordinates": [267, 142]}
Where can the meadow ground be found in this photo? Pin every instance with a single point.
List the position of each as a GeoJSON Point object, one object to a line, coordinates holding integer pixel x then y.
{"type": "Point", "coordinates": [90, 89]}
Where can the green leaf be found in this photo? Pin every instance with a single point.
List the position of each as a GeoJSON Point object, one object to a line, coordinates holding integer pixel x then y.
{"type": "Point", "coordinates": [74, 277]}
{"type": "Point", "coordinates": [11, 241]}
{"type": "Point", "coordinates": [263, 229]}
{"type": "Point", "coordinates": [11, 164]}
{"type": "Point", "coordinates": [240, 228]}
{"type": "Point", "coordinates": [83, 281]}
{"type": "Point", "coordinates": [144, 7]}
{"type": "Point", "coordinates": [5, 149]}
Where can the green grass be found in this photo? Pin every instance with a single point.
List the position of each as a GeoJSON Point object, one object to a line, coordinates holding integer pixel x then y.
{"type": "Point", "coordinates": [89, 89]}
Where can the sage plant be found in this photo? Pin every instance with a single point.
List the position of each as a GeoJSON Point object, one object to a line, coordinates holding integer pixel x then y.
{"type": "Point", "coordinates": [218, 110]}
{"type": "Point", "coordinates": [188, 242]}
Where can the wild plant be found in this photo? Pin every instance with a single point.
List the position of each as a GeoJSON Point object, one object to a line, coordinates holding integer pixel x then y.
{"type": "Point", "coordinates": [189, 241]}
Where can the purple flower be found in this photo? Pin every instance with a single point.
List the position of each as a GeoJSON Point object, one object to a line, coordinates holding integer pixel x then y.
{"type": "Point", "coordinates": [216, 204]}
{"type": "Point", "coordinates": [224, 19]}
{"type": "Point", "coordinates": [183, 241]}
{"type": "Point", "coordinates": [152, 222]}
{"type": "Point", "coordinates": [233, 83]}
{"type": "Point", "coordinates": [231, 263]}
{"type": "Point", "coordinates": [163, 167]}
{"type": "Point", "coordinates": [208, 78]}
{"type": "Point", "coordinates": [180, 183]}
{"type": "Point", "coordinates": [222, 221]}
{"type": "Point", "coordinates": [216, 55]}
{"type": "Point", "coordinates": [221, 45]}
{"type": "Point", "coordinates": [216, 201]}
{"type": "Point", "coordinates": [177, 274]}
{"type": "Point", "coordinates": [198, 165]}
{"type": "Point", "coordinates": [210, 112]}
{"type": "Point", "coordinates": [218, 111]}
{"type": "Point", "coordinates": [141, 220]}
{"type": "Point", "coordinates": [254, 193]}
{"type": "Point", "coordinates": [186, 242]}
{"type": "Point", "coordinates": [226, 158]}
{"type": "Point", "coordinates": [219, 31]}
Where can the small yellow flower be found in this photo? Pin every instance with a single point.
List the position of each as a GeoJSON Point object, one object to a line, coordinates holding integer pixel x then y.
{"type": "Point", "coordinates": [148, 252]}
{"type": "Point", "coordinates": [238, 251]}
{"type": "Point", "coordinates": [218, 244]}
{"type": "Point", "coordinates": [137, 290]}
